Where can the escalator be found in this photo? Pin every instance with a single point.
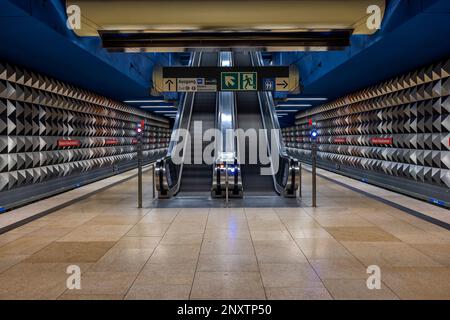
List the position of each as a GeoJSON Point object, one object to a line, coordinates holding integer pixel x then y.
{"type": "Point", "coordinates": [196, 182]}
{"type": "Point", "coordinates": [197, 177]}
{"type": "Point", "coordinates": [249, 117]}
{"type": "Point", "coordinates": [193, 177]}
{"type": "Point", "coordinates": [255, 111]}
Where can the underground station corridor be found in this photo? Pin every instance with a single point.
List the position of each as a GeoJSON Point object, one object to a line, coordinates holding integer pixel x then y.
{"type": "Point", "coordinates": [205, 150]}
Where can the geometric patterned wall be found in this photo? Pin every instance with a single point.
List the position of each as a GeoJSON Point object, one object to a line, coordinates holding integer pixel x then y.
{"type": "Point", "coordinates": [37, 113]}
{"type": "Point", "coordinates": [398, 128]}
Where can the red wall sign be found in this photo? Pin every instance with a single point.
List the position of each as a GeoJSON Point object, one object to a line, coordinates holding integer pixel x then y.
{"type": "Point", "coordinates": [381, 140]}
{"type": "Point", "coordinates": [340, 140]}
{"type": "Point", "coordinates": [111, 141]}
{"type": "Point", "coordinates": [68, 143]}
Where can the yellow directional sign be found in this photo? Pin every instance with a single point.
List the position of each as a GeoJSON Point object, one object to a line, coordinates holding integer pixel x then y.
{"type": "Point", "coordinates": [282, 84]}
{"type": "Point", "coordinates": [170, 85]}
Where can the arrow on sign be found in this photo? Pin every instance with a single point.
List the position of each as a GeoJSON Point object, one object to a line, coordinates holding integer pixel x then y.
{"type": "Point", "coordinates": [284, 84]}
{"type": "Point", "coordinates": [229, 81]}
{"type": "Point", "coordinates": [170, 83]}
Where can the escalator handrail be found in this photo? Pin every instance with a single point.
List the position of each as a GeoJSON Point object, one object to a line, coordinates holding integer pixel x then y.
{"type": "Point", "coordinates": [163, 178]}
{"type": "Point", "coordinates": [283, 177]}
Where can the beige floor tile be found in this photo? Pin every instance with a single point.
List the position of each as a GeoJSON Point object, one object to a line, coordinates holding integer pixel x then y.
{"type": "Point", "coordinates": [438, 252]}
{"type": "Point", "coordinates": [24, 230]}
{"type": "Point", "coordinates": [370, 234]}
{"type": "Point", "coordinates": [301, 223]}
{"type": "Point", "coordinates": [260, 213]}
{"type": "Point", "coordinates": [148, 230]}
{"type": "Point", "coordinates": [227, 212]}
{"type": "Point", "coordinates": [228, 285]}
{"type": "Point", "coordinates": [164, 211]}
{"type": "Point", "coordinates": [137, 243]}
{"type": "Point", "coordinates": [187, 227]}
{"type": "Point", "coordinates": [421, 238]}
{"type": "Point", "coordinates": [400, 227]}
{"type": "Point", "coordinates": [227, 223]}
{"type": "Point", "coordinates": [317, 248]}
{"type": "Point", "coordinates": [227, 246]}
{"type": "Point", "coordinates": [356, 289]}
{"type": "Point", "coordinates": [256, 225]}
{"type": "Point", "coordinates": [100, 283]}
{"type": "Point", "coordinates": [302, 233]}
{"type": "Point", "coordinates": [182, 238]}
{"type": "Point", "coordinates": [34, 281]}
{"type": "Point", "coordinates": [228, 233]}
{"type": "Point", "coordinates": [158, 217]}
{"type": "Point", "coordinates": [159, 292]}
{"type": "Point", "coordinates": [166, 274]}
{"type": "Point", "coordinates": [278, 252]}
{"type": "Point", "coordinates": [7, 262]}
{"type": "Point", "coordinates": [114, 220]}
{"type": "Point", "coordinates": [25, 245]}
{"type": "Point", "coordinates": [418, 283]}
{"type": "Point", "coordinates": [343, 220]}
{"type": "Point", "coordinates": [298, 275]}
{"type": "Point", "coordinates": [71, 252]}
{"type": "Point", "coordinates": [97, 233]}
{"type": "Point", "coordinates": [122, 260]}
{"type": "Point", "coordinates": [389, 254]}
{"type": "Point", "coordinates": [345, 268]}
{"type": "Point", "coordinates": [69, 296]}
{"type": "Point", "coordinates": [9, 237]}
{"type": "Point", "coordinates": [228, 262]}
{"type": "Point", "coordinates": [292, 293]}
{"type": "Point", "coordinates": [67, 222]}
{"type": "Point", "coordinates": [175, 254]}
{"type": "Point", "coordinates": [51, 232]}
{"type": "Point", "coordinates": [283, 235]}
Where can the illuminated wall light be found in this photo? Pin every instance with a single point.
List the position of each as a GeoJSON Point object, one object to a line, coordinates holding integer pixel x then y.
{"type": "Point", "coordinates": [294, 105]}
{"type": "Point", "coordinates": [307, 99]}
{"type": "Point", "coordinates": [144, 101]}
{"type": "Point", "coordinates": [155, 107]}
{"type": "Point", "coordinates": [166, 111]}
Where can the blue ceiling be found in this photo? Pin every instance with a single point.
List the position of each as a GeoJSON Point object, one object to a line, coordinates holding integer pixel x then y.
{"type": "Point", "coordinates": [413, 33]}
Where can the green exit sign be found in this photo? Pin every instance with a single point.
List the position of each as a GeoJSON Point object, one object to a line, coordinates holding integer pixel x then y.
{"type": "Point", "coordinates": [239, 81]}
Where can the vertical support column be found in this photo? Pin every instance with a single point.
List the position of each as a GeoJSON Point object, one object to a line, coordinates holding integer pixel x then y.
{"type": "Point", "coordinates": [314, 164]}
{"type": "Point", "coordinates": [140, 129]}
{"type": "Point", "coordinates": [226, 184]}
{"type": "Point", "coordinates": [299, 194]}
{"type": "Point", "coordinates": [153, 181]}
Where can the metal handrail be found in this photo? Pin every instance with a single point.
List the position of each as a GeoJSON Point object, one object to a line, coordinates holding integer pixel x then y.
{"type": "Point", "coordinates": [164, 184]}
{"type": "Point", "coordinates": [286, 179]}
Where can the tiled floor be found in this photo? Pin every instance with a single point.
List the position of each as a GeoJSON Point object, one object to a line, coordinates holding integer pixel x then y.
{"type": "Point", "coordinates": [244, 253]}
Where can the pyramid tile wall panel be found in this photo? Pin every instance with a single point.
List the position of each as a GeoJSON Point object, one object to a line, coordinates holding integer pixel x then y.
{"type": "Point", "coordinates": [37, 111]}
{"type": "Point", "coordinates": [411, 110]}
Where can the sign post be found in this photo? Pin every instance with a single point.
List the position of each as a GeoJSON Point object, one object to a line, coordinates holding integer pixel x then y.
{"type": "Point", "coordinates": [140, 129]}
{"type": "Point", "coordinates": [314, 163]}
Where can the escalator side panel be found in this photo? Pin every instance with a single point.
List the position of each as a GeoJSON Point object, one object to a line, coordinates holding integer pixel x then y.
{"type": "Point", "coordinates": [249, 117]}
{"type": "Point", "coordinates": [197, 178]}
